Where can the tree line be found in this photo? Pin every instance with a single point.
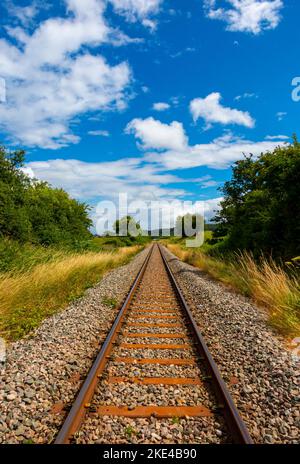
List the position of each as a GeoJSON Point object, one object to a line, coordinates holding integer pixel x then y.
{"type": "Point", "coordinates": [260, 211]}
{"type": "Point", "coordinates": [33, 211]}
{"type": "Point", "coordinates": [261, 208]}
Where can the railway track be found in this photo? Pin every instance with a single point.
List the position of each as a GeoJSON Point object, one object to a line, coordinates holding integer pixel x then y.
{"type": "Point", "coordinates": [154, 365]}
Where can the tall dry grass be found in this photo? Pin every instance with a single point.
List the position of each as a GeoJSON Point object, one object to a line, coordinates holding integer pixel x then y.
{"type": "Point", "coordinates": [267, 283]}
{"type": "Point", "coordinates": [275, 289]}
{"type": "Point", "coordinates": [27, 298]}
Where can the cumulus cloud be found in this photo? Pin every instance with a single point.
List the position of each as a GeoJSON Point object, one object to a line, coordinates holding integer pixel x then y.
{"type": "Point", "coordinates": [252, 16]}
{"type": "Point", "coordinates": [211, 207]}
{"type": "Point", "coordinates": [218, 154]}
{"type": "Point", "coordinates": [208, 183]}
{"type": "Point", "coordinates": [148, 177]}
{"type": "Point", "coordinates": [50, 80]}
{"type": "Point", "coordinates": [170, 210]}
{"type": "Point", "coordinates": [211, 110]}
{"type": "Point", "coordinates": [24, 14]}
{"type": "Point", "coordinates": [138, 10]}
{"type": "Point", "coordinates": [132, 176]}
{"type": "Point", "coordinates": [106, 179]}
{"type": "Point", "coordinates": [168, 146]}
{"type": "Point", "coordinates": [157, 135]}
{"type": "Point", "coordinates": [161, 106]}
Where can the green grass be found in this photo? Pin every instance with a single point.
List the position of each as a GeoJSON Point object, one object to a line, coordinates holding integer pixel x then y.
{"type": "Point", "coordinates": [129, 431]}
{"type": "Point", "coordinates": [18, 257]}
{"type": "Point", "coordinates": [111, 302]}
{"type": "Point", "coordinates": [111, 243]}
{"type": "Point", "coordinates": [175, 420]}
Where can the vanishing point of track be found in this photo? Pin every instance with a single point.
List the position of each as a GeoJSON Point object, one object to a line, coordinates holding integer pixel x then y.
{"type": "Point", "coordinates": [155, 318]}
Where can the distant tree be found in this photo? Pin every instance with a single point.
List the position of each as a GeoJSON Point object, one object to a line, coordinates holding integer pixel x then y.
{"type": "Point", "coordinates": [261, 209]}
{"type": "Point", "coordinates": [188, 224]}
{"type": "Point", "coordinates": [124, 226]}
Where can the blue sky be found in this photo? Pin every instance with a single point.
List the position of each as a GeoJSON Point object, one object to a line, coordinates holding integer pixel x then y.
{"type": "Point", "coordinates": [156, 98]}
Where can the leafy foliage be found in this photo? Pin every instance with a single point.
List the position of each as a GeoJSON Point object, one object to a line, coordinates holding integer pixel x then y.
{"type": "Point", "coordinates": [261, 208]}
{"type": "Point", "coordinates": [189, 224]}
{"type": "Point", "coordinates": [127, 226]}
{"type": "Point", "coordinates": [32, 211]}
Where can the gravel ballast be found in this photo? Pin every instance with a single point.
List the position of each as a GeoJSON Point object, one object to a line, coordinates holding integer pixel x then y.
{"type": "Point", "coordinates": [128, 391]}
{"type": "Point", "coordinates": [47, 368]}
{"type": "Point", "coordinates": [262, 375]}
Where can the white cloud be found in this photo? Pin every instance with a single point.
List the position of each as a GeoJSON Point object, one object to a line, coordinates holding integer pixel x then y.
{"type": "Point", "coordinates": [155, 134]}
{"type": "Point", "coordinates": [60, 37]}
{"type": "Point", "coordinates": [160, 106]}
{"type": "Point", "coordinates": [281, 115]}
{"type": "Point", "coordinates": [170, 147]}
{"type": "Point", "coordinates": [106, 179]}
{"type": "Point", "coordinates": [211, 207]}
{"type": "Point", "coordinates": [208, 183]}
{"type": "Point", "coordinates": [24, 14]}
{"type": "Point", "coordinates": [252, 16]}
{"type": "Point", "coordinates": [170, 210]}
{"type": "Point", "coordinates": [147, 177]}
{"type": "Point", "coordinates": [181, 52]}
{"type": "Point", "coordinates": [100, 133]}
{"type": "Point", "coordinates": [211, 110]}
{"type": "Point", "coordinates": [138, 10]}
{"type": "Point", "coordinates": [245, 95]}
{"type": "Point", "coordinates": [277, 137]}
{"type": "Point", "coordinates": [50, 80]}
{"type": "Point", "coordinates": [28, 171]}
{"type": "Point", "coordinates": [218, 154]}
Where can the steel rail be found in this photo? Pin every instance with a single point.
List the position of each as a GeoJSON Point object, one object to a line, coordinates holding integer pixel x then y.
{"type": "Point", "coordinates": [75, 417]}
{"type": "Point", "coordinates": [227, 406]}
{"type": "Point", "coordinates": [78, 410]}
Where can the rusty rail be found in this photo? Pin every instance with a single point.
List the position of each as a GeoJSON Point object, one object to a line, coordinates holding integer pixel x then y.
{"type": "Point", "coordinates": [233, 419]}
{"type": "Point", "coordinates": [78, 410]}
{"type": "Point", "coordinates": [226, 406]}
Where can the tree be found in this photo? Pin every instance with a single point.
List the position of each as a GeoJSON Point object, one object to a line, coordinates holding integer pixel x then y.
{"type": "Point", "coordinates": [127, 226]}
{"type": "Point", "coordinates": [14, 221]}
{"type": "Point", "coordinates": [33, 211]}
{"type": "Point", "coordinates": [189, 224]}
{"type": "Point", "coordinates": [55, 217]}
{"type": "Point", "coordinates": [261, 210]}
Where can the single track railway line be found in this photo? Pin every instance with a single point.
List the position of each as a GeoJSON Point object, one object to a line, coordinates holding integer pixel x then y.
{"type": "Point", "coordinates": [155, 341]}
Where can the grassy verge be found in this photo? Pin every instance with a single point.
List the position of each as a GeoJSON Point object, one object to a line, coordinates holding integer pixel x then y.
{"type": "Point", "coordinates": [20, 257]}
{"type": "Point", "coordinates": [17, 257]}
{"type": "Point", "coordinates": [48, 284]}
{"type": "Point", "coordinates": [265, 282]}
